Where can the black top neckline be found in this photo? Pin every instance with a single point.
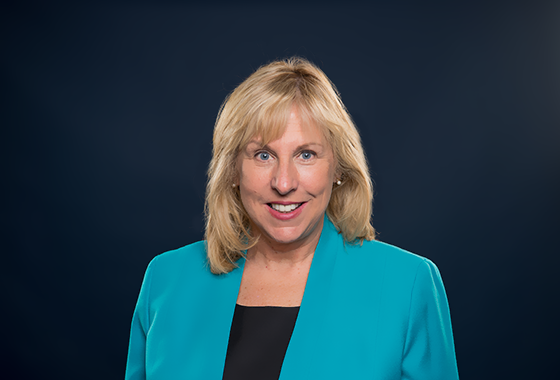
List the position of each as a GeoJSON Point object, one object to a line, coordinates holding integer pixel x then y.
{"type": "Point", "coordinates": [262, 307]}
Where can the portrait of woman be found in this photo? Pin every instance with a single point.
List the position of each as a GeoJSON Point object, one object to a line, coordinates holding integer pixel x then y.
{"type": "Point", "coordinates": [211, 206]}
{"type": "Point", "coordinates": [290, 281]}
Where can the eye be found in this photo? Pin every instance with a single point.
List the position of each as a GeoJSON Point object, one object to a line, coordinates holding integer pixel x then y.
{"type": "Point", "coordinates": [263, 156]}
{"type": "Point", "coordinates": [307, 155]}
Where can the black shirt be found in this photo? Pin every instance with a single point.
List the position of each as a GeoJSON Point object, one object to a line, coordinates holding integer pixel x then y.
{"type": "Point", "coordinates": [258, 341]}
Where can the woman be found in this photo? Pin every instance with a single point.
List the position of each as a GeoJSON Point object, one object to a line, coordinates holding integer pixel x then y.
{"type": "Point", "coordinates": [290, 282]}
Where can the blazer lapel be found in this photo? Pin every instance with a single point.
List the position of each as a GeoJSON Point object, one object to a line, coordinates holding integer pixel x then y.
{"type": "Point", "coordinates": [311, 317]}
{"type": "Point", "coordinates": [220, 303]}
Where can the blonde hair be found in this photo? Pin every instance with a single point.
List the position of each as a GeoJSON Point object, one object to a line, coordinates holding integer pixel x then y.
{"type": "Point", "coordinates": [260, 106]}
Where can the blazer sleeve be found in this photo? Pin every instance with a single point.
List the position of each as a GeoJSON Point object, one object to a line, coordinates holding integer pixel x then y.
{"type": "Point", "coordinates": [136, 363]}
{"type": "Point", "coordinates": [429, 352]}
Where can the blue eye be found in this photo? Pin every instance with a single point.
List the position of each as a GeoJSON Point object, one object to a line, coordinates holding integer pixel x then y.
{"type": "Point", "coordinates": [307, 155]}
{"type": "Point", "coordinates": [264, 156]}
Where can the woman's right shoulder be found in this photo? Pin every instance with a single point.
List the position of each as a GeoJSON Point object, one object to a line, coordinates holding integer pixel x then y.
{"type": "Point", "coordinates": [188, 261]}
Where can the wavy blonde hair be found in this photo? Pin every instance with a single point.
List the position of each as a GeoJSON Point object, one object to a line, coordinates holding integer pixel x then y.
{"type": "Point", "coordinates": [260, 106]}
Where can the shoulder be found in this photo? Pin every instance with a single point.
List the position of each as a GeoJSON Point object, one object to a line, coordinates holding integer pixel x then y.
{"type": "Point", "coordinates": [375, 259]}
{"type": "Point", "coordinates": [376, 252]}
{"type": "Point", "coordinates": [188, 261]}
{"type": "Point", "coordinates": [191, 252]}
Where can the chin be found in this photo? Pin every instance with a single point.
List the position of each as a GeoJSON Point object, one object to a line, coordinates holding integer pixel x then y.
{"type": "Point", "coordinates": [284, 237]}
{"type": "Point", "coordinates": [287, 235]}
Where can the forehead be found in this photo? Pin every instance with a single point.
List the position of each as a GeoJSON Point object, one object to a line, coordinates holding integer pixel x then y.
{"type": "Point", "coordinates": [295, 127]}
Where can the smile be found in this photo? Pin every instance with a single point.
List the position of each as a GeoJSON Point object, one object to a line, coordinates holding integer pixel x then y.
{"type": "Point", "coordinates": [284, 208]}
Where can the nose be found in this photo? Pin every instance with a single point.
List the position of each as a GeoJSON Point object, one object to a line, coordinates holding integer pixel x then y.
{"type": "Point", "coordinates": [285, 177]}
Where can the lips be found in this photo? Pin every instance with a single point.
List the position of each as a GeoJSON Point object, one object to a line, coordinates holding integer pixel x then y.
{"type": "Point", "coordinates": [285, 210]}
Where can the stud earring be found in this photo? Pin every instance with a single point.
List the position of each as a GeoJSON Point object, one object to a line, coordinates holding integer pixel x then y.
{"type": "Point", "coordinates": [233, 185]}
{"type": "Point", "coordinates": [339, 182]}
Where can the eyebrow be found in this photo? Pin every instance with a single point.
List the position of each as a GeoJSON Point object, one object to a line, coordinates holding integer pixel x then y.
{"type": "Point", "coordinates": [303, 146]}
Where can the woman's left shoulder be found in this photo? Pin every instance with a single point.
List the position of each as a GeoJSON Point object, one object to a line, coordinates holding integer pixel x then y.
{"type": "Point", "coordinates": [376, 253]}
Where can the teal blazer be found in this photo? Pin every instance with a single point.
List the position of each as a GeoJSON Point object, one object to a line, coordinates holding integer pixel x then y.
{"type": "Point", "coordinates": [368, 312]}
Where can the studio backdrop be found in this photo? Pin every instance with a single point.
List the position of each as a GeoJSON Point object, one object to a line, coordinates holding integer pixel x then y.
{"type": "Point", "coordinates": [107, 119]}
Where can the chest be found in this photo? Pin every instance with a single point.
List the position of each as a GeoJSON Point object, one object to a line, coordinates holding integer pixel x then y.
{"type": "Point", "coordinates": [336, 335]}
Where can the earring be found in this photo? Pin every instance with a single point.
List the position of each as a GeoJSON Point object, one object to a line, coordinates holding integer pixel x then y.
{"type": "Point", "coordinates": [233, 185]}
{"type": "Point", "coordinates": [339, 182]}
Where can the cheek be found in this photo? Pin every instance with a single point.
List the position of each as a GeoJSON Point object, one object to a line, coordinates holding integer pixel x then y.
{"type": "Point", "coordinates": [252, 182]}
{"type": "Point", "coordinates": [318, 181]}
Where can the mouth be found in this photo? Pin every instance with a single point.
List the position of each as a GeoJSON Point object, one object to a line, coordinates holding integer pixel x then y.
{"type": "Point", "coordinates": [285, 208]}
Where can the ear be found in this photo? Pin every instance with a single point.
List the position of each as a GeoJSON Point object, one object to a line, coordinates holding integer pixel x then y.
{"type": "Point", "coordinates": [235, 180]}
{"type": "Point", "coordinates": [235, 177]}
{"type": "Point", "coordinates": [337, 174]}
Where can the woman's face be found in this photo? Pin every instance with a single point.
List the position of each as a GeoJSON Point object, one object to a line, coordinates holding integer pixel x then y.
{"type": "Point", "coordinates": [286, 185]}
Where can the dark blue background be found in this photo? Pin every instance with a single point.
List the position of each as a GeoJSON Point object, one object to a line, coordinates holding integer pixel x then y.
{"type": "Point", "coordinates": [107, 118]}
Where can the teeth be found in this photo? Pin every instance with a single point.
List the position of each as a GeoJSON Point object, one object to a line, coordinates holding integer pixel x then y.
{"type": "Point", "coordinates": [285, 208]}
